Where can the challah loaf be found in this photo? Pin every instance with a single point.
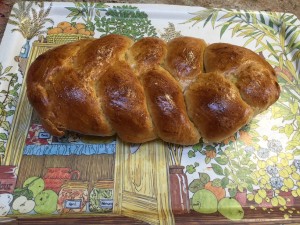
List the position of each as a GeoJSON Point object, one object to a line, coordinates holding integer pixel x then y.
{"type": "Point", "coordinates": [178, 91]}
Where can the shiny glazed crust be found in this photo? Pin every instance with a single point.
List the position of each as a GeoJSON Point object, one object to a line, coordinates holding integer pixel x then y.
{"type": "Point", "coordinates": [178, 91]}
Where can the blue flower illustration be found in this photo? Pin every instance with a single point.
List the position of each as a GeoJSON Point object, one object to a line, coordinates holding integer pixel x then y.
{"type": "Point", "coordinates": [297, 163]}
{"type": "Point", "coordinates": [272, 170]}
{"type": "Point", "coordinates": [276, 182]}
{"type": "Point", "coordinates": [275, 145]}
{"type": "Point", "coordinates": [263, 153]}
{"type": "Point", "coordinates": [249, 149]}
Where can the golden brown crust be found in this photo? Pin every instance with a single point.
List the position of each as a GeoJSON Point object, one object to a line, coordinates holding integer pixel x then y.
{"type": "Point", "coordinates": [185, 59]}
{"type": "Point", "coordinates": [150, 89]}
{"type": "Point", "coordinates": [99, 54]}
{"type": "Point", "coordinates": [62, 90]}
{"type": "Point", "coordinates": [225, 57]}
{"type": "Point", "coordinates": [254, 77]}
{"type": "Point", "coordinates": [147, 53]}
{"type": "Point", "coordinates": [216, 108]}
{"type": "Point", "coordinates": [124, 104]}
{"type": "Point", "coordinates": [258, 86]}
{"type": "Point", "coordinates": [167, 107]}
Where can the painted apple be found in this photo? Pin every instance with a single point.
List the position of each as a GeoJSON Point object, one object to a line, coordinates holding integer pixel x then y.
{"type": "Point", "coordinates": [204, 201]}
{"type": "Point", "coordinates": [5, 200]}
{"type": "Point", "coordinates": [46, 202]}
{"type": "Point", "coordinates": [23, 205]}
{"type": "Point", "coordinates": [4, 209]}
{"type": "Point", "coordinates": [231, 209]}
{"type": "Point", "coordinates": [34, 184]}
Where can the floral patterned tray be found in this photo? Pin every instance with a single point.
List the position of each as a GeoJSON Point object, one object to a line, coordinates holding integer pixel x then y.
{"type": "Point", "coordinates": [252, 176]}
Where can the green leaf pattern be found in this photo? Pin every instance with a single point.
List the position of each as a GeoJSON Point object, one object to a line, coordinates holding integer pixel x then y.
{"type": "Point", "coordinates": [9, 95]}
{"type": "Point", "coordinates": [125, 20]}
{"type": "Point", "coordinates": [261, 158]}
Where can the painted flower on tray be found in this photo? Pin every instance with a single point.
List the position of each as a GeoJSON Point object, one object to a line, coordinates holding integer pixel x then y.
{"type": "Point", "coordinates": [275, 145]}
{"type": "Point", "coordinates": [263, 153]}
{"type": "Point", "coordinates": [272, 170]}
{"type": "Point", "coordinates": [249, 149]}
{"type": "Point", "coordinates": [297, 163]}
{"type": "Point", "coordinates": [276, 182]}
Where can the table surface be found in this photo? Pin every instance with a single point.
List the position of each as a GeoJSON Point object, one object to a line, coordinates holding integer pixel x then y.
{"type": "Point", "coordinates": [292, 6]}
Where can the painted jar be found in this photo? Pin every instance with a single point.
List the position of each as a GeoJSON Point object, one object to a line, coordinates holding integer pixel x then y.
{"type": "Point", "coordinates": [179, 192]}
{"type": "Point", "coordinates": [101, 197]}
{"type": "Point", "coordinates": [8, 179]}
{"type": "Point", "coordinates": [73, 197]}
{"type": "Point", "coordinates": [55, 177]}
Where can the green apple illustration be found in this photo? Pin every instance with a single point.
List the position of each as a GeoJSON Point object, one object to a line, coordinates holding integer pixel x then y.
{"type": "Point", "coordinates": [34, 184]}
{"type": "Point", "coordinates": [46, 202]}
{"type": "Point", "coordinates": [231, 209]}
{"type": "Point", "coordinates": [22, 205]}
{"type": "Point", "coordinates": [5, 200]}
{"type": "Point", "coordinates": [204, 201]}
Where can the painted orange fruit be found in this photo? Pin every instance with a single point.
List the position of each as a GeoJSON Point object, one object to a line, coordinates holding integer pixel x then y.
{"type": "Point", "coordinates": [55, 30]}
{"type": "Point", "coordinates": [219, 192]}
{"type": "Point", "coordinates": [84, 31]}
{"type": "Point", "coordinates": [70, 30]}
{"type": "Point", "coordinates": [63, 25]}
{"type": "Point", "coordinates": [80, 26]}
{"type": "Point", "coordinates": [245, 137]}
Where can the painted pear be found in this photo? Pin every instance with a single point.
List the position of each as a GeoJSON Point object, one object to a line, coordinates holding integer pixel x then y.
{"type": "Point", "coordinates": [231, 209]}
{"type": "Point", "coordinates": [204, 201]}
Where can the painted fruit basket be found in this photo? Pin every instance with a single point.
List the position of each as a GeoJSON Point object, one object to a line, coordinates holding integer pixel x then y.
{"type": "Point", "coordinates": [64, 38]}
{"type": "Point", "coordinates": [253, 176]}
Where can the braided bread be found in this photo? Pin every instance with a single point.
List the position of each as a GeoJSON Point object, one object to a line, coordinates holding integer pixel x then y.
{"type": "Point", "coordinates": [178, 91]}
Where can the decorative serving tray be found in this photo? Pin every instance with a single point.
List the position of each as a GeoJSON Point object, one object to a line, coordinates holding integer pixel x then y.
{"type": "Point", "coordinates": [253, 176]}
